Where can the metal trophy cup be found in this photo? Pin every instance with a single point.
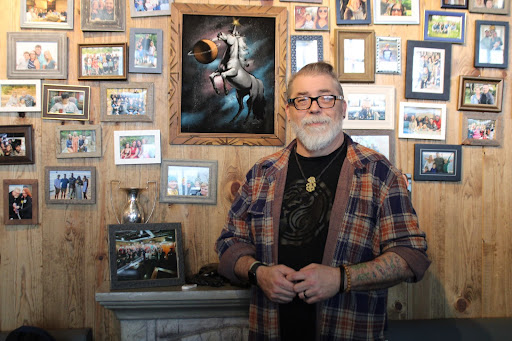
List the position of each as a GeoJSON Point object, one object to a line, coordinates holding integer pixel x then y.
{"type": "Point", "coordinates": [133, 212]}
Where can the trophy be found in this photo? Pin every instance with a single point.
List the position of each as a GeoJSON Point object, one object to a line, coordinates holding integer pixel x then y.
{"type": "Point", "coordinates": [133, 212]}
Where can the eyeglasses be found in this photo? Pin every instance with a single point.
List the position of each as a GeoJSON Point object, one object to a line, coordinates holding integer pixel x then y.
{"type": "Point", "coordinates": [324, 102]}
{"type": "Point", "coordinates": [322, 10]}
{"type": "Point", "coordinates": [396, 10]}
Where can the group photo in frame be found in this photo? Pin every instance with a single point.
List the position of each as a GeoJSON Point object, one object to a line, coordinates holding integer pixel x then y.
{"type": "Point", "coordinates": [437, 162]}
{"type": "Point", "coordinates": [109, 17]}
{"type": "Point", "coordinates": [20, 201]}
{"type": "Point", "coordinates": [70, 185]}
{"type": "Point", "coordinates": [16, 144]}
{"type": "Point", "coordinates": [458, 4]}
{"type": "Point", "coordinates": [422, 121]}
{"type": "Point", "coordinates": [66, 102]}
{"type": "Point", "coordinates": [102, 61]}
{"type": "Point", "coordinates": [445, 26]}
{"type": "Point", "coordinates": [382, 141]}
{"type": "Point", "coordinates": [149, 8]}
{"type": "Point", "coordinates": [491, 44]}
{"type": "Point", "coordinates": [127, 102]}
{"type": "Point", "coordinates": [311, 18]}
{"type": "Point", "coordinates": [482, 129]}
{"type": "Point", "coordinates": [480, 93]}
{"type": "Point", "coordinates": [56, 14]}
{"type": "Point", "coordinates": [388, 55]}
{"type": "Point", "coordinates": [353, 12]}
{"type": "Point", "coordinates": [78, 141]}
{"type": "Point", "coordinates": [354, 53]}
{"type": "Point", "coordinates": [20, 95]}
{"type": "Point", "coordinates": [396, 12]}
{"type": "Point", "coordinates": [369, 107]}
{"type": "Point", "coordinates": [489, 6]}
{"type": "Point", "coordinates": [134, 147]}
{"type": "Point", "coordinates": [305, 49]}
{"type": "Point", "coordinates": [145, 50]}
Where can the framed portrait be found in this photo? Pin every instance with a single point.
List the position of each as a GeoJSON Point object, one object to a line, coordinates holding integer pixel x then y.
{"type": "Point", "coordinates": [20, 202]}
{"type": "Point", "coordinates": [127, 102]}
{"type": "Point", "coordinates": [311, 18]}
{"type": "Point", "coordinates": [56, 14]}
{"type": "Point", "coordinates": [422, 121]}
{"type": "Point", "coordinates": [428, 70]}
{"type": "Point", "coordinates": [437, 162]}
{"type": "Point", "coordinates": [20, 95]}
{"type": "Point", "coordinates": [146, 50]}
{"type": "Point", "coordinates": [369, 107]}
{"type": "Point", "coordinates": [388, 57]}
{"type": "Point", "coordinates": [460, 4]}
{"type": "Point", "coordinates": [109, 18]}
{"type": "Point", "coordinates": [162, 263]}
{"type": "Point", "coordinates": [303, 1]}
{"type": "Point", "coordinates": [353, 12]}
{"type": "Point", "coordinates": [102, 61]}
{"type": "Point", "coordinates": [382, 141]}
{"type": "Point", "coordinates": [188, 182]}
{"type": "Point", "coordinates": [355, 55]}
{"type": "Point", "coordinates": [305, 50]}
{"type": "Point", "coordinates": [133, 147]}
{"type": "Point", "coordinates": [66, 102]}
{"type": "Point", "coordinates": [37, 55]}
{"type": "Point", "coordinates": [489, 6]}
{"type": "Point", "coordinates": [404, 12]}
{"type": "Point", "coordinates": [445, 26]}
{"type": "Point", "coordinates": [16, 144]}
{"type": "Point", "coordinates": [491, 44]}
{"type": "Point", "coordinates": [482, 129]}
{"type": "Point", "coordinates": [480, 93]}
{"type": "Point", "coordinates": [70, 185]}
{"type": "Point", "coordinates": [78, 141]}
{"type": "Point", "coordinates": [149, 8]}
{"type": "Point", "coordinates": [205, 109]}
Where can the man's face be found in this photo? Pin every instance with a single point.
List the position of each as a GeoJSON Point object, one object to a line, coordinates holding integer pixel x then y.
{"type": "Point", "coordinates": [109, 5]}
{"type": "Point", "coordinates": [486, 88]}
{"type": "Point", "coordinates": [16, 192]}
{"type": "Point", "coordinates": [38, 50]}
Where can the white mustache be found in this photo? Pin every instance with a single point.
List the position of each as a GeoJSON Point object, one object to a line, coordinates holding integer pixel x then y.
{"type": "Point", "coordinates": [312, 120]}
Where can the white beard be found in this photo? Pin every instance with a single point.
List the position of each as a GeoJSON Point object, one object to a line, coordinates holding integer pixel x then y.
{"type": "Point", "coordinates": [317, 138]}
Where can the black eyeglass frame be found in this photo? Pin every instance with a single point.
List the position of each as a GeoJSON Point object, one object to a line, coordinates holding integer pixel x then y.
{"type": "Point", "coordinates": [315, 99]}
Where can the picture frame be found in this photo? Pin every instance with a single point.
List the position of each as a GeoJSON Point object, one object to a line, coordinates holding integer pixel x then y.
{"type": "Point", "coordinates": [16, 144]}
{"type": "Point", "coordinates": [382, 141]}
{"type": "Point", "coordinates": [189, 182]}
{"type": "Point", "coordinates": [66, 102]}
{"type": "Point", "coordinates": [200, 116]}
{"type": "Point", "coordinates": [425, 156]}
{"type": "Point", "coordinates": [388, 57]}
{"type": "Point", "coordinates": [148, 152]}
{"type": "Point", "coordinates": [127, 102]}
{"type": "Point", "coordinates": [17, 95]}
{"type": "Point", "coordinates": [146, 50]}
{"type": "Point", "coordinates": [421, 83]}
{"type": "Point", "coordinates": [89, 68]}
{"type": "Point", "coordinates": [311, 18]}
{"type": "Point", "coordinates": [491, 44]}
{"type": "Point", "coordinates": [109, 19]}
{"type": "Point", "coordinates": [369, 107]}
{"type": "Point", "coordinates": [21, 204]}
{"type": "Point", "coordinates": [163, 265]}
{"type": "Point", "coordinates": [482, 129]}
{"type": "Point", "coordinates": [498, 7]}
{"type": "Point", "coordinates": [145, 8]}
{"type": "Point", "coordinates": [20, 46]}
{"type": "Point", "coordinates": [459, 4]}
{"type": "Point", "coordinates": [414, 121]}
{"type": "Point", "coordinates": [351, 66]}
{"type": "Point", "coordinates": [406, 14]}
{"type": "Point", "coordinates": [58, 15]}
{"type": "Point", "coordinates": [480, 93]}
{"type": "Point", "coordinates": [78, 141]}
{"type": "Point", "coordinates": [84, 194]}
{"type": "Point", "coordinates": [345, 15]}
{"type": "Point", "coordinates": [444, 26]}
{"type": "Point", "coordinates": [305, 49]}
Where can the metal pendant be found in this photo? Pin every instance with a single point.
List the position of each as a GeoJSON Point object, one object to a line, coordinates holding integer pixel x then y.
{"type": "Point", "coordinates": [311, 185]}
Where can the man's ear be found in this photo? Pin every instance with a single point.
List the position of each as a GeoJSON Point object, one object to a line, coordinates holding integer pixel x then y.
{"type": "Point", "coordinates": [344, 109]}
{"type": "Point", "coordinates": [287, 111]}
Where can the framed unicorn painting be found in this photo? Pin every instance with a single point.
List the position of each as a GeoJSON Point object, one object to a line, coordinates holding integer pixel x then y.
{"type": "Point", "coordinates": [228, 69]}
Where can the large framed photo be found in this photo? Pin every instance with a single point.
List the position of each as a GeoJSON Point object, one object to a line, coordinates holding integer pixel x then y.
{"type": "Point", "coordinates": [491, 44]}
{"type": "Point", "coordinates": [208, 105]}
{"type": "Point", "coordinates": [66, 102]}
{"type": "Point", "coordinates": [20, 202]}
{"type": "Point", "coordinates": [145, 50]}
{"type": "Point", "coordinates": [482, 129]}
{"type": "Point", "coordinates": [480, 93]}
{"type": "Point", "coordinates": [188, 182]}
{"type": "Point", "coordinates": [70, 185]}
{"type": "Point", "coordinates": [353, 12]}
{"type": "Point", "coordinates": [145, 255]}
{"type": "Point", "coordinates": [56, 14]}
{"type": "Point", "coordinates": [382, 141]}
{"type": "Point", "coordinates": [133, 147]}
{"type": "Point", "coordinates": [78, 141]}
{"type": "Point", "coordinates": [305, 50]}
{"type": "Point", "coordinates": [127, 102]}
{"type": "Point", "coordinates": [489, 6]}
{"type": "Point", "coordinates": [102, 61]}
{"type": "Point", "coordinates": [355, 55]}
{"type": "Point", "coordinates": [16, 144]}
{"type": "Point", "coordinates": [311, 18]}
{"type": "Point", "coordinates": [20, 95]}
{"type": "Point", "coordinates": [434, 162]}
{"type": "Point", "coordinates": [428, 70]}
{"type": "Point", "coordinates": [404, 12]}
{"type": "Point", "coordinates": [149, 8]}
{"type": "Point", "coordinates": [445, 26]}
{"type": "Point", "coordinates": [369, 107]}
{"type": "Point", "coordinates": [422, 121]}
{"type": "Point", "coordinates": [460, 4]}
{"type": "Point", "coordinates": [388, 55]}
{"type": "Point", "coordinates": [107, 15]}
{"type": "Point", "coordinates": [37, 55]}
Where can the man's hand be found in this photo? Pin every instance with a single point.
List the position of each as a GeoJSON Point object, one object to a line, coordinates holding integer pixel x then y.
{"type": "Point", "coordinates": [275, 284]}
{"type": "Point", "coordinates": [316, 282]}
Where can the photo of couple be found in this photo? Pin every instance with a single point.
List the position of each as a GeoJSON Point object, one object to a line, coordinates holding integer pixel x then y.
{"type": "Point", "coordinates": [20, 202]}
{"type": "Point", "coordinates": [18, 96]}
{"type": "Point", "coordinates": [478, 93]}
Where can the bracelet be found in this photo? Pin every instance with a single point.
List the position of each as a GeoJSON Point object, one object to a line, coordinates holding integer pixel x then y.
{"type": "Point", "coordinates": [342, 278]}
{"type": "Point", "coordinates": [347, 273]}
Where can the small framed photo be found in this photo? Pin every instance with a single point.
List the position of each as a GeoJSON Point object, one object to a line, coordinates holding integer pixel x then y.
{"type": "Point", "coordinates": [388, 55]}
{"type": "Point", "coordinates": [149, 8]}
{"type": "Point", "coordinates": [369, 107]}
{"type": "Point", "coordinates": [127, 102]}
{"type": "Point", "coordinates": [70, 185]}
{"type": "Point", "coordinates": [188, 182]}
{"type": "Point", "coordinates": [355, 55]}
{"type": "Point", "coordinates": [353, 12]}
{"type": "Point", "coordinates": [20, 95]}
{"type": "Point", "coordinates": [78, 141]}
{"type": "Point", "coordinates": [428, 70]}
{"type": "Point", "coordinates": [66, 102]}
{"type": "Point", "coordinates": [422, 121]}
{"type": "Point", "coordinates": [108, 15]}
{"type": "Point", "coordinates": [102, 61]}
{"type": "Point", "coordinates": [145, 255]}
{"type": "Point", "coordinates": [434, 162]}
{"type": "Point", "coordinates": [489, 6]}
{"type": "Point", "coordinates": [56, 14]}
{"type": "Point", "coordinates": [382, 141]}
{"type": "Point", "coordinates": [20, 202]}
{"type": "Point", "coordinates": [16, 145]}
{"type": "Point", "coordinates": [37, 55]}
{"type": "Point", "coordinates": [146, 50]}
{"type": "Point", "coordinates": [133, 147]}
{"type": "Point", "coordinates": [491, 44]}
{"type": "Point", "coordinates": [460, 4]}
{"type": "Point", "coordinates": [482, 129]}
{"type": "Point", "coordinates": [445, 26]}
{"type": "Point", "coordinates": [305, 50]}
{"type": "Point", "coordinates": [480, 93]}
{"type": "Point", "coordinates": [311, 18]}
{"type": "Point", "coordinates": [396, 12]}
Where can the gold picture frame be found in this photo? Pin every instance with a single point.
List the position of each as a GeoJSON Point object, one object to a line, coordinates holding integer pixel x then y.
{"type": "Point", "coordinates": [355, 66]}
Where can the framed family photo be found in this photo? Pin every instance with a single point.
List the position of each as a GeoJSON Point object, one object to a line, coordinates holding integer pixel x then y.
{"type": "Point", "coordinates": [382, 141]}
{"type": "Point", "coordinates": [491, 44]}
{"type": "Point", "coordinates": [355, 55]}
{"type": "Point", "coordinates": [107, 15]}
{"type": "Point", "coordinates": [70, 185]}
{"type": "Point", "coordinates": [489, 6]}
{"type": "Point", "coordinates": [56, 14]}
{"type": "Point", "coordinates": [353, 12]}
{"type": "Point", "coordinates": [102, 61]}
{"type": "Point", "coordinates": [404, 12]}
{"type": "Point", "coordinates": [78, 141]}
{"type": "Point", "coordinates": [20, 202]}
{"type": "Point", "coordinates": [16, 144]}
{"type": "Point", "coordinates": [460, 4]}
{"type": "Point", "coordinates": [369, 107]}
{"type": "Point", "coordinates": [305, 49]}
{"type": "Point", "coordinates": [445, 26]}
{"type": "Point", "coordinates": [20, 95]}
{"type": "Point", "coordinates": [422, 121]}
{"type": "Point", "coordinates": [482, 129]}
{"type": "Point", "coordinates": [127, 102]}
{"type": "Point", "coordinates": [66, 102]}
{"type": "Point", "coordinates": [311, 18]}
{"type": "Point", "coordinates": [146, 50]}
{"type": "Point", "coordinates": [134, 147]}
{"type": "Point", "coordinates": [388, 55]}
{"type": "Point", "coordinates": [480, 93]}
{"type": "Point", "coordinates": [149, 8]}
{"type": "Point", "coordinates": [434, 162]}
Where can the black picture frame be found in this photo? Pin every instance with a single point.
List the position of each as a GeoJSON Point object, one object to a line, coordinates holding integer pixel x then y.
{"type": "Point", "coordinates": [341, 7]}
{"type": "Point", "coordinates": [26, 132]}
{"type": "Point", "coordinates": [482, 57]}
{"type": "Point", "coordinates": [422, 155]}
{"type": "Point", "coordinates": [446, 4]}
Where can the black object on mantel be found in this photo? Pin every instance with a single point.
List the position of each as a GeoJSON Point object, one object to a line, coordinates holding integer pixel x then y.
{"type": "Point", "coordinates": [208, 276]}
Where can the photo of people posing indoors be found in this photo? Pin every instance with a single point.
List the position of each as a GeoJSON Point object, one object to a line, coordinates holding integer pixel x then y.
{"type": "Point", "coordinates": [18, 96]}
{"type": "Point", "coordinates": [12, 144]}
{"type": "Point", "coordinates": [77, 141]}
{"type": "Point", "coordinates": [491, 48]}
{"type": "Point", "coordinates": [53, 11]}
{"type": "Point", "coordinates": [188, 180]}
{"type": "Point", "coordinates": [65, 102]}
{"type": "Point", "coordinates": [151, 5]}
{"type": "Point", "coordinates": [500, 4]}
{"type": "Point", "coordinates": [102, 10]}
{"type": "Point", "coordinates": [396, 7]}
{"type": "Point", "coordinates": [437, 162]}
{"type": "Point", "coordinates": [428, 70]}
{"type": "Point", "coordinates": [20, 202]}
{"type": "Point", "coordinates": [145, 50]}
{"type": "Point", "coordinates": [126, 101]}
{"type": "Point", "coordinates": [69, 185]}
{"type": "Point", "coordinates": [481, 129]}
{"type": "Point", "coordinates": [418, 122]}
{"type": "Point", "coordinates": [36, 56]}
{"type": "Point", "coordinates": [315, 18]}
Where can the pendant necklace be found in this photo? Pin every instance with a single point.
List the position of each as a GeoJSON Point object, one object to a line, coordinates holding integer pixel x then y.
{"type": "Point", "coordinates": [311, 181]}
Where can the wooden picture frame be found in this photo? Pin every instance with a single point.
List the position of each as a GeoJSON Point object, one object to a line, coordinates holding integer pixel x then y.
{"type": "Point", "coordinates": [22, 209]}
{"type": "Point", "coordinates": [59, 196]}
{"type": "Point", "coordinates": [382, 141]}
{"type": "Point", "coordinates": [388, 55]}
{"type": "Point", "coordinates": [127, 102]}
{"type": "Point", "coordinates": [52, 18]}
{"type": "Point", "coordinates": [346, 15]}
{"type": "Point", "coordinates": [482, 129]}
{"type": "Point", "coordinates": [142, 57]}
{"type": "Point", "coordinates": [20, 95]}
{"type": "Point", "coordinates": [145, 147]}
{"type": "Point", "coordinates": [78, 141]}
{"type": "Point", "coordinates": [162, 266]}
{"type": "Point", "coordinates": [422, 127]}
{"type": "Point", "coordinates": [307, 18]}
{"type": "Point", "coordinates": [54, 44]}
{"type": "Point", "coordinates": [425, 160]}
{"type": "Point", "coordinates": [472, 91]}
{"type": "Point", "coordinates": [305, 49]}
{"type": "Point", "coordinates": [104, 20]}
{"type": "Point", "coordinates": [479, 6]}
{"type": "Point", "coordinates": [352, 66]}
{"type": "Point", "coordinates": [17, 144]}
{"type": "Point", "coordinates": [198, 115]}
{"type": "Point", "coordinates": [459, 4]}
{"type": "Point", "coordinates": [407, 16]}
{"type": "Point", "coordinates": [55, 106]}
{"type": "Point", "coordinates": [142, 8]}
{"type": "Point", "coordinates": [369, 107]}
{"type": "Point", "coordinates": [491, 44]}
{"type": "Point", "coordinates": [89, 68]}
{"type": "Point", "coordinates": [444, 26]}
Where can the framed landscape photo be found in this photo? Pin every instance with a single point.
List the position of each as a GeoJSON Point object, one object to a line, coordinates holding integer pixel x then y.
{"type": "Point", "coordinates": [149, 8]}
{"type": "Point", "coordinates": [56, 14]}
{"type": "Point", "coordinates": [382, 141]}
{"type": "Point", "coordinates": [20, 202]}
{"type": "Point", "coordinates": [37, 55]}
{"type": "Point", "coordinates": [66, 102]}
{"type": "Point", "coordinates": [355, 55]}
{"type": "Point", "coordinates": [404, 12]}
{"type": "Point", "coordinates": [422, 121]}
{"type": "Point", "coordinates": [146, 50]}
{"type": "Point", "coordinates": [480, 93]}
{"type": "Point", "coordinates": [305, 50]}
{"type": "Point", "coordinates": [353, 12]}
{"type": "Point", "coordinates": [133, 147]}
{"type": "Point", "coordinates": [70, 185]}
{"type": "Point", "coordinates": [127, 102]}
{"type": "Point", "coordinates": [437, 162]}
{"type": "Point", "coordinates": [445, 26]}
{"type": "Point", "coordinates": [388, 55]}
{"type": "Point", "coordinates": [78, 141]}
{"type": "Point", "coordinates": [20, 95]}
{"type": "Point", "coordinates": [369, 107]}
{"type": "Point", "coordinates": [109, 17]}
{"type": "Point", "coordinates": [102, 61]}
{"type": "Point", "coordinates": [16, 144]}
{"type": "Point", "coordinates": [491, 44]}
{"type": "Point", "coordinates": [460, 4]}
{"type": "Point", "coordinates": [489, 6]}
{"type": "Point", "coordinates": [311, 18]}
{"type": "Point", "coordinates": [482, 129]}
